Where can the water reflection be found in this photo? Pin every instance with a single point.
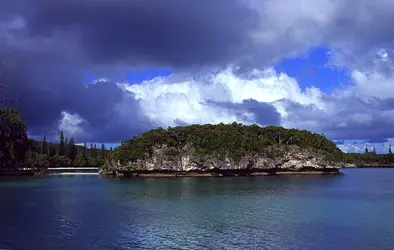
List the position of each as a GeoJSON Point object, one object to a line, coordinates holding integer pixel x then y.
{"type": "Point", "coordinates": [307, 212]}
{"type": "Point", "coordinates": [193, 209]}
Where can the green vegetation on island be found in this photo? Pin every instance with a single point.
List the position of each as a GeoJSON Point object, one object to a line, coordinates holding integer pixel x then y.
{"type": "Point", "coordinates": [235, 140]}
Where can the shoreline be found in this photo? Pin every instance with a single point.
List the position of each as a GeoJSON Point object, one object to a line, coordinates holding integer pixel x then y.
{"type": "Point", "coordinates": [169, 173]}
{"type": "Point", "coordinates": [215, 173]}
{"type": "Point", "coordinates": [156, 175]}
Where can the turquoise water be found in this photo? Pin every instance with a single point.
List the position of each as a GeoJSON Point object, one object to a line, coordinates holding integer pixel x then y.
{"type": "Point", "coordinates": [352, 211]}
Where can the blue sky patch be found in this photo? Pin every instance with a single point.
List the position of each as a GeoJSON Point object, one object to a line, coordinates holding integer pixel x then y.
{"type": "Point", "coordinates": [139, 76]}
{"type": "Point", "coordinates": [312, 69]}
{"type": "Point", "coordinates": [135, 76]}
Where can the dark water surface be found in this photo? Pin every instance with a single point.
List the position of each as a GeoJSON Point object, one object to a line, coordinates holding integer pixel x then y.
{"type": "Point", "coordinates": [352, 211]}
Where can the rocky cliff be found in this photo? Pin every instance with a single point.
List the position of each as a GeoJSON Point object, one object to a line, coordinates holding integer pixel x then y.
{"type": "Point", "coordinates": [270, 160]}
{"type": "Point", "coordinates": [225, 148]}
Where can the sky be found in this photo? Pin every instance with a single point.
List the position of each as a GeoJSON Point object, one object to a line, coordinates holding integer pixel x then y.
{"type": "Point", "coordinates": [107, 70]}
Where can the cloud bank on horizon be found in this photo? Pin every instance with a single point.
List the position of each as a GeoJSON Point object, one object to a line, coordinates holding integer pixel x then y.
{"type": "Point", "coordinates": [325, 66]}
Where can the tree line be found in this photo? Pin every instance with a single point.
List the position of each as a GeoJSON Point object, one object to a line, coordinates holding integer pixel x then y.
{"type": "Point", "coordinates": [17, 151]}
{"type": "Point", "coordinates": [371, 158]}
{"type": "Point", "coordinates": [65, 153]}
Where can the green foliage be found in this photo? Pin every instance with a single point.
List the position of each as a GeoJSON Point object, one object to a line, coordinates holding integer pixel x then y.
{"type": "Point", "coordinates": [35, 154]}
{"type": "Point", "coordinates": [18, 151]}
{"type": "Point", "coordinates": [62, 147]}
{"type": "Point", "coordinates": [72, 149]}
{"type": "Point", "coordinates": [13, 137]}
{"type": "Point", "coordinates": [235, 140]}
{"type": "Point", "coordinates": [52, 150]}
{"type": "Point", "coordinates": [370, 159]}
{"type": "Point", "coordinates": [172, 152]}
{"type": "Point", "coordinates": [93, 151]}
{"type": "Point", "coordinates": [44, 147]}
{"type": "Point", "coordinates": [102, 151]}
{"type": "Point", "coordinates": [84, 149]}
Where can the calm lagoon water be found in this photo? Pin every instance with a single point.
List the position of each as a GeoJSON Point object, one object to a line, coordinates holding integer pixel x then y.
{"type": "Point", "coordinates": [351, 211]}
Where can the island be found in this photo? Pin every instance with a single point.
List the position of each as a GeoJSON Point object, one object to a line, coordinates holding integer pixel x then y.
{"type": "Point", "coordinates": [195, 150]}
{"type": "Point", "coordinates": [224, 150]}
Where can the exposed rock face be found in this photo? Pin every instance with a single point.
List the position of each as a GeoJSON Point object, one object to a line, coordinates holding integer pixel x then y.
{"type": "Point", "coordinates": [286, 158]}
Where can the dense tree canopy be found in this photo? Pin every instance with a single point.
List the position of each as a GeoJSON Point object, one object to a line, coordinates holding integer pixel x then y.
{"type": "Point", "coordinates": [74, 155]}
{"type": "Point", "coordinates": [238, 140]}
{"type": "Point", "coordinates": [370, 159]}
{"type": "Point", "coordinates": [233, 139]}
{"type": "Point", "coordinates": [14, 143]}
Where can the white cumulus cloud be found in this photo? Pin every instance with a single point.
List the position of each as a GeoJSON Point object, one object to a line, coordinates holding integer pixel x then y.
{"type": "Point", "coordinates": [71, 124]}
{"type": "Point", "coordinates": [362, 109]}
{"type": "Point", "coordinates": [188, 100]}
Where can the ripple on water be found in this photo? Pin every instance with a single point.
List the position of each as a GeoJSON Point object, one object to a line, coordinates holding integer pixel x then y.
{"type": "Point", "coordinates": [353, 211]}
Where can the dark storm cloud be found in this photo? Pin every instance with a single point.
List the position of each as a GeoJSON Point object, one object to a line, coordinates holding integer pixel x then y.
{"type": "Point", "coordinates": [46, 82]}
{"type": "Point", "coordinates": [376, 130]}
{"type": "Point", "coordinates": [125, 121]}
{"type": "Point", "coordinates": [385, 104]}
{"type": "Point", "coordinates": [52, 45]}
{"type": "Point", "coordinates": [264, 113]}
{"type": "Point", "coordinates": [377, 140]}
{"type": "Point", "coordinates": [49, 47]}
{"type": "Point", "coordinates": [175, 33]}
{"type": "Point", "coordinates": [42, 86]}
{"type": "Point", "coordinates": [354, 118]}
